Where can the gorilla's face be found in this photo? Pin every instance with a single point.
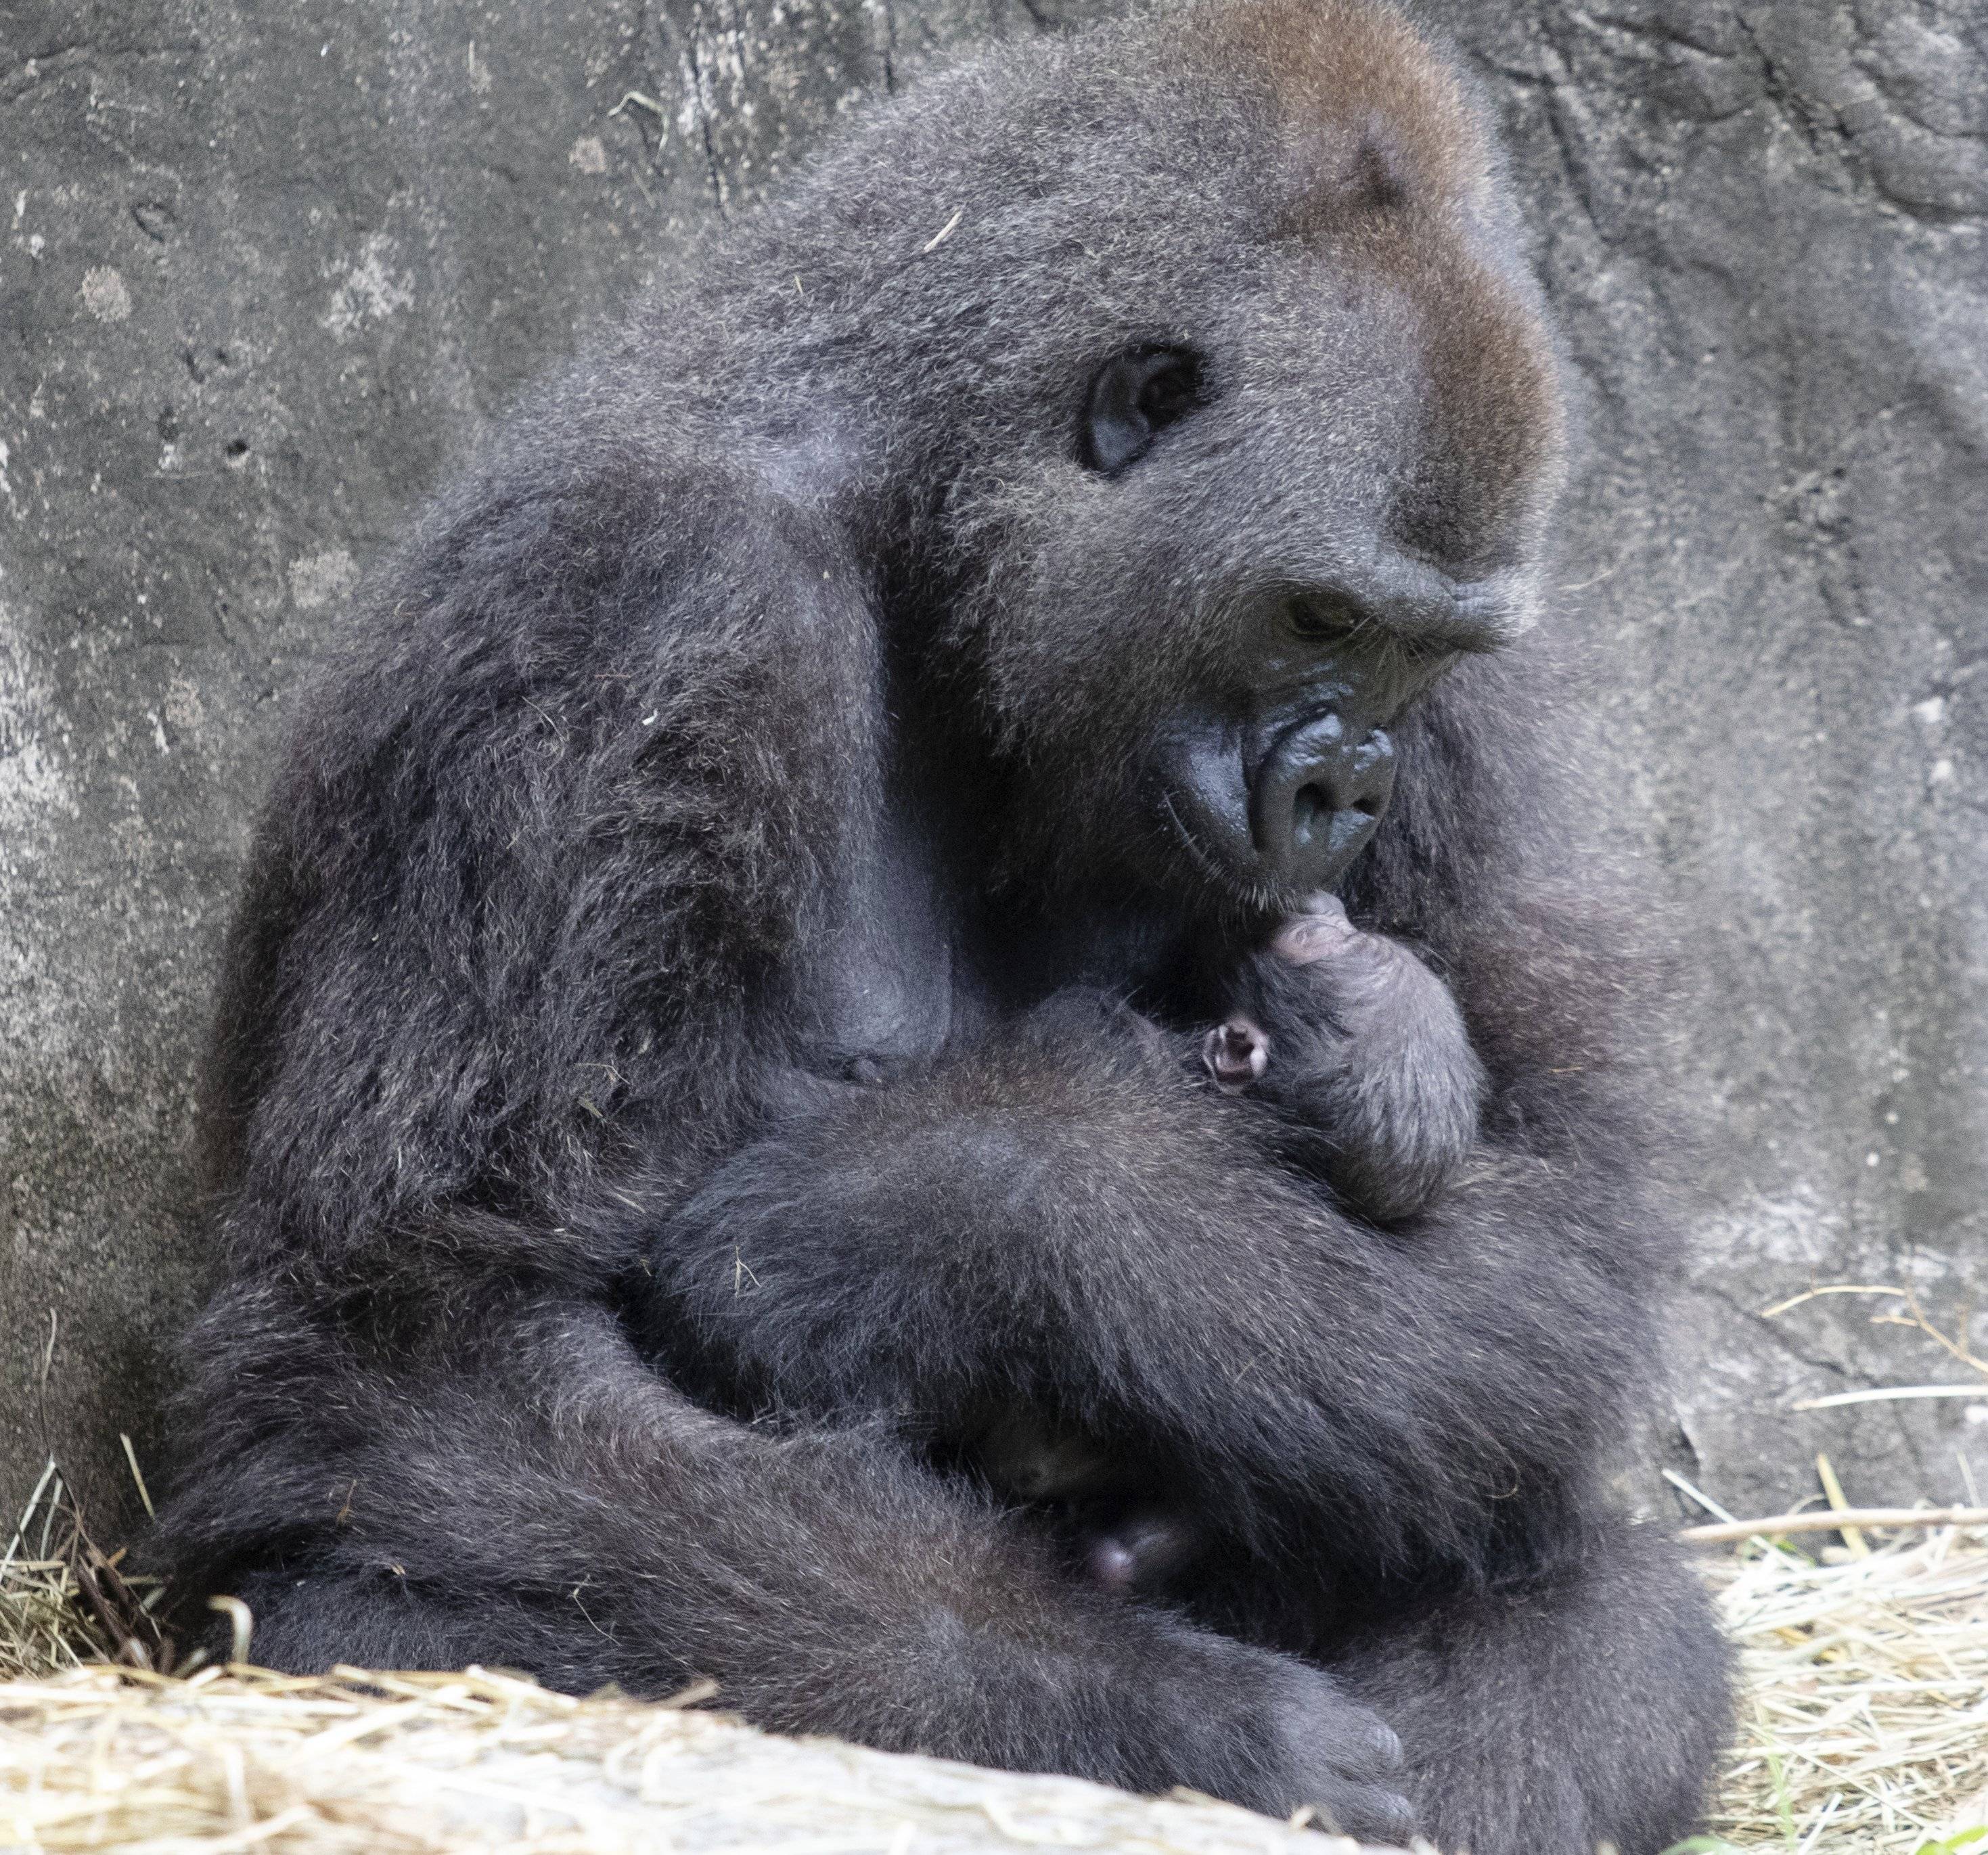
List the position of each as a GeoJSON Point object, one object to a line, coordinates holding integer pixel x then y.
{"type": "Point", "coordinates": [1263, 450]}
{"type": "Point", "coordinates": [1274, 784]}
{"type": "Point", "coordinates": [1276, 533]}
{"type": "Point", "coordinates": [1269, 766]}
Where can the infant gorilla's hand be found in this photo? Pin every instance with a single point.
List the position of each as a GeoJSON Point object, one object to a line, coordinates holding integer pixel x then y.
{"type": "Point", "coordinates": [1364, 1053]}
{"type": "Point", "coordinates": [1278, 1735]}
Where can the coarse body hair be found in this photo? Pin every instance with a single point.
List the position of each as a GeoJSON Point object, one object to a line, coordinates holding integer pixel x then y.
{"type": "Point", "coordinates": [703, 1039]}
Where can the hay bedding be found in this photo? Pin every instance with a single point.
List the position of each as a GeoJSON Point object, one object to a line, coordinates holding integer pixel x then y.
{"type": "Point", "coordinates": [405, 1765]}
{"type": "Point", "coordinates": [1864, 1728]}
{"type": "Point", "coordinates": [1865, 1714]}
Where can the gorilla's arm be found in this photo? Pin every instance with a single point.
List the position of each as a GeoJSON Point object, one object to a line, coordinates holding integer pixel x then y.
{"type": "Point", "coordinates": [1067, 1224]}
{"type": "Point", "coordinates": [515, 1485]}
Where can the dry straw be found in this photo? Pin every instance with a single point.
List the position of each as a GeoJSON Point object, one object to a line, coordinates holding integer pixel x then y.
{"type": "Point", "coordinates": [416, 1765]}
{"type": "Point", "coordinates": [1865, 1719]}
{"type": "Point", "coordinates": [63, 1602]}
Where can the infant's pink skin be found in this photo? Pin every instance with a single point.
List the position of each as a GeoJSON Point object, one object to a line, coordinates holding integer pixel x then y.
{"type": "Point", "coordinates": [1318, 934]}
{"type": "Point", "coordinates": [1236, 1054]}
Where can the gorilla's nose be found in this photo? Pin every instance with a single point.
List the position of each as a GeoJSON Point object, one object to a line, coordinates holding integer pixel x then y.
{"type": "Point", "coordinates": [1319, 793]}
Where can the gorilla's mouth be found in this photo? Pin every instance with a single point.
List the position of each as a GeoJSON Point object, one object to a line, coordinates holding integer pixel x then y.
{"type": "Point", "coordinates": [1288, 826]}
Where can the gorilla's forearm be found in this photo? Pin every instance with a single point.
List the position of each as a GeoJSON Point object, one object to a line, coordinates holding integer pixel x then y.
{"type": "Point", "coordinates": [1068, 1226]}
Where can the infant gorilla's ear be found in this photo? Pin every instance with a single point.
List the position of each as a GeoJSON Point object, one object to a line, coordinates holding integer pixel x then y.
{"type": "Point", "coordinates": [1136, 396]}
{"type": "Point", "coordinates": [1234, 1054]}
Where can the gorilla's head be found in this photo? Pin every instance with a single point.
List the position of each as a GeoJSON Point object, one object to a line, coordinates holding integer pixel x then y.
{"type": "Point", "coordinates": [1247, 427]}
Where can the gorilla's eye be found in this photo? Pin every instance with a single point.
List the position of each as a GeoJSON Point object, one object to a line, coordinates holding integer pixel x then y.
{"type": "Point", "coordinates": [1411, 661]}
{"type": "Point", "coordinates": [1136, 396]}
{"type": "Point", "coordinates": [1313, 617]}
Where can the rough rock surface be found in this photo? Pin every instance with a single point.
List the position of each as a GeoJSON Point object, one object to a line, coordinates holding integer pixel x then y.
{"type": "Point", "coordinates": [265, 271]}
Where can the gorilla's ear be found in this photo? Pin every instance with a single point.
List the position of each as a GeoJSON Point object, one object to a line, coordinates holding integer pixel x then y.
{"type": "Point", "coordinates": [1136, 396]}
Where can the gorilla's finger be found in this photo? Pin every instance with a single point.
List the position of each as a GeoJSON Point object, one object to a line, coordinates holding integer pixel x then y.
{"type": "Point", "coordinates": [1307, 938]}
{"type": "Point", "coordinates": [1236, 1054]}
{"type": "Point", "coordinates": [1369, 1814]}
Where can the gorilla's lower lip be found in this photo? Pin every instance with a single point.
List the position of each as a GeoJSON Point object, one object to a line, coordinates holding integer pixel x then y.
{"type": "Point", "coordinates": [1253, 887]}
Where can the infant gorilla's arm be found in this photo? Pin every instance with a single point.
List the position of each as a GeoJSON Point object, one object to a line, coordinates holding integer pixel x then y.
{"type": "Point", "coordinates": [1364, 1053]}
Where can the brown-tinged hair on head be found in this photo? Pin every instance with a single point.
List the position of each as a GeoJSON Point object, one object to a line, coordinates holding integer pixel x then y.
{"type": "Point", "coordinates": [1367, 116]}
{"type": "Point", "coordinates": [1378, 156]}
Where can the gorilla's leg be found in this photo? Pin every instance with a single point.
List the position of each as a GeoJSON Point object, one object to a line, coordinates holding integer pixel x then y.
{"type": "Point", "coordinates": [521, 1489]}
{"type": "Point", "coordinates": [1580, 1708]}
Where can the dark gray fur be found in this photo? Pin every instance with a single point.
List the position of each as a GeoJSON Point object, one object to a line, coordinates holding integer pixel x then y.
{"type": "Point", "coordinates": [679, 1084]}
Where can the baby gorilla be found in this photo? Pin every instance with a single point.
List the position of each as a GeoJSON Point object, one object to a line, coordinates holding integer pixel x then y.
{"type": "Point", "coordinates": [1364, 1053]}
{"type": "Point", "coordinates": [1376, 1088]}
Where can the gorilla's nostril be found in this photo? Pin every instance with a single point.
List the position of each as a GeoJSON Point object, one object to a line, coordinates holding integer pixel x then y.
{"type": "Point", "coordinates": [1369, 805]}
{"type": "Point", "coordinates": [1350, 829]}
{"type": "Point", "coordinates": [1311, 806]}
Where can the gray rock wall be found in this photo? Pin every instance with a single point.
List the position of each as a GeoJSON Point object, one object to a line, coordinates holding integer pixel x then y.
{"type": "Point", "coordinates": [266, 270]}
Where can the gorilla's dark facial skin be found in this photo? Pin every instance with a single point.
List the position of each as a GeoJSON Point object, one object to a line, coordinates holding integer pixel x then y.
{"type": "Point", "coordinates": [919, 1025]}
{"type": "Point", "coordinates": [1275, 785]}
{"type": "Point", "coordinates": [1274, 778]}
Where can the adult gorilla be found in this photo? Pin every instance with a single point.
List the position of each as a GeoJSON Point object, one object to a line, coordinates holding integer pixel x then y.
{"type": "Point", "coordinates": [794, 1102]}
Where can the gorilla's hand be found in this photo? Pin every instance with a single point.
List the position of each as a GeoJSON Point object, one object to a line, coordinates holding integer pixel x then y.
{"type": "Point", "coordinates": [1364, 1053]}
{"type": "Point", "coordinates": [1304, 1743]}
